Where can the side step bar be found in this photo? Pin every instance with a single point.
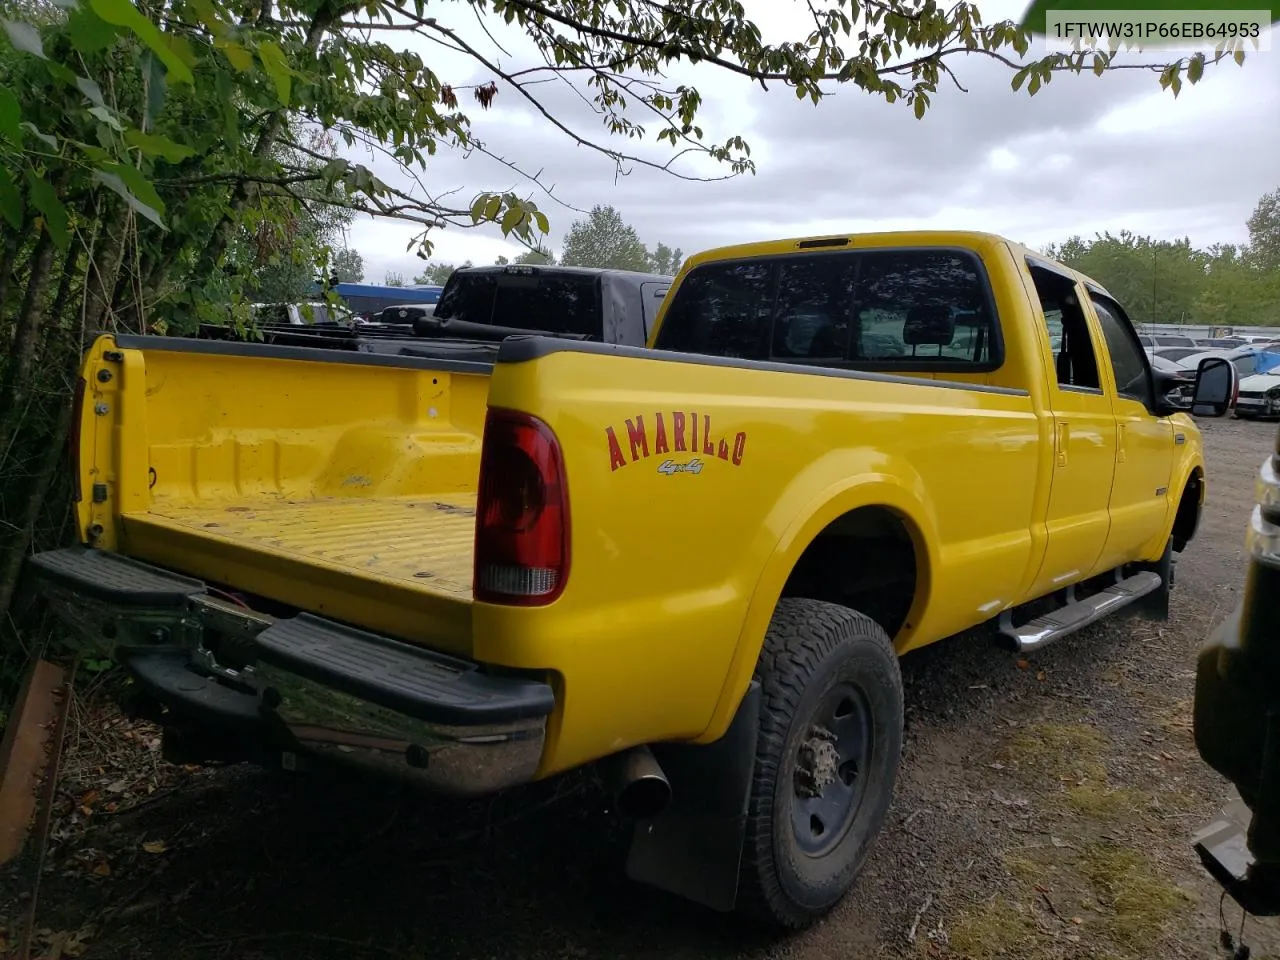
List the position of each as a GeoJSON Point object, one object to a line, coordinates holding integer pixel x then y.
{"type": "Point", "coordinates": [1080, 613]}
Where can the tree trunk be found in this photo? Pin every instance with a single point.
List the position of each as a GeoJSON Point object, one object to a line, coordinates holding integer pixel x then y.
{"type": "Point", "coordinates": [15, 551]}
{"type": "Point", "coordinates": [26, 338]}
{"type": "Point", "coordinates": [8, 257]}
{"type": "Point", "coordinates": [102, 270]}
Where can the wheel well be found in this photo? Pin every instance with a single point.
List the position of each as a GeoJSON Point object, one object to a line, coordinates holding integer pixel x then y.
{"type": "Point", "coordinates": [864, 559]}
{"type": "Point", "coordinates": [1188, 516]}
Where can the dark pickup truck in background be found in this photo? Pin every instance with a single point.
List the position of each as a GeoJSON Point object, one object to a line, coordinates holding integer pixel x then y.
{"type": "Point", "coordinates": [482, 306]}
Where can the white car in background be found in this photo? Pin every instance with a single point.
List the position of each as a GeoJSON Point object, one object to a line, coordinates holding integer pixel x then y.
{"type": "Point", "coordinates": [1259, 395]}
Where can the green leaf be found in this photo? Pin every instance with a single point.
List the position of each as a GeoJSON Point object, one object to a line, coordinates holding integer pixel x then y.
{"type": "Point", "coordinates": [154, 72]}
{"type": "Point", "coordinates": [89, 32]}
{"type": "Point", "coordinates": [50, 141]}
{"type": "Point", "coordinates": [106, 116]}
{"type": "Point", "coordinates": [277, 67]}
{"type": "Point", "coordinates": [140, 185]}
{"type": "Point", "coordinates": [1195, 69]}
{"type": "Point", "coordinates": [25, 37]}
{"type": "Point", "coordinates": [920, 107]}
{"type": "Point", "coordinates": [541, 218]}
{"type": "Point", "coordinates": [1034, 85]}
{"type": "Point", "coordinates": [510, 219]}
{"type": "Point", "coordinates": [10, 201]}
{"type": "Point", "coordinates": [124, 14]}
{"type": "Point", "coordinates": [239, 58]}
{"type": "Point", "coordinates": [91, 91]}
{"type": "Point", "coordinates": [1020, 78]}
{"type": "Point", "coordinates": [114, 182]}
{"type": "Point", "coordinates": [227, 103]}
{"type": "Point", "coordinates": [10, 117]}
{"type": "Point", "coordinates": [157, 145]}
{"type": "Point", "coordinates": [44, 199]}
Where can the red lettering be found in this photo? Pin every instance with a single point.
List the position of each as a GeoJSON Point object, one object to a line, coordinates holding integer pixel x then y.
{"type": "Point", "coordinates": [677, 425]}
{"type": "Point", "coordinates": [707, 446]}
{"type": "Point", "coordinates": [660, 437]}
{"type": "Point", "coordinates": [723, 450]}
{"type": "Point", "coordinates": [693, 444]}
{"type": "Point", "coordinates": [636, 436]}
{"type": "Point", "coordinates": [615, 451]}
{"type": "Point", "coordinates": [739, 445]}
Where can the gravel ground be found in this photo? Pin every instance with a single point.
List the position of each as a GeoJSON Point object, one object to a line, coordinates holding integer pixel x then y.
{"type": "Point", "coordinates": [1044, 811]}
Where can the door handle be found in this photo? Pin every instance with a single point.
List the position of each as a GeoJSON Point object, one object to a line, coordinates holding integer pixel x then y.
{"type": "Point", "coordinates": [1120, 443]}
{"type": "Point", "coordinates": [1064, 439]}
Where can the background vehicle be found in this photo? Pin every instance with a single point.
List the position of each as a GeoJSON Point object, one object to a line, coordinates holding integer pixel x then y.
{"type": "Point", "coordinates": [1175, 354]}
{"type": "Point", "coordinates": [366, 299]}
{"type": "Point", "coordinates": [695, 562]}
{"type": "Point", "coordinates": [493, 303]}
{"type": "Point", "coordinates": [1260, 390]}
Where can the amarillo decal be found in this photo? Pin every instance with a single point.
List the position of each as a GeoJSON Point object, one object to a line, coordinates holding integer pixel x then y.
{"type": "Point", "coordinates": [676, 432]}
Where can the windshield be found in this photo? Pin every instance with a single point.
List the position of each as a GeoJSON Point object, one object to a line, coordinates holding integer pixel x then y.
{"type": "Point", "coordinates": [552, 303]}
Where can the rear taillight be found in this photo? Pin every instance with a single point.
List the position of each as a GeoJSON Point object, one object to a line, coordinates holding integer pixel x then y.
{"type": "Point", "coordinates": [73, 437]}
{"type": "Point", "coordinates": [522, 513]}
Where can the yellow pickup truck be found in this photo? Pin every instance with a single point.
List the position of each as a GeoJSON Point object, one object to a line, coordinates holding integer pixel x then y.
{"type": "Point", "coordinates": [697, 562]}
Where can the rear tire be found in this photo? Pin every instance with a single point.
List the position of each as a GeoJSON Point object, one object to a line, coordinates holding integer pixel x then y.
{"type": "Point", "coordinates": [826, 759]}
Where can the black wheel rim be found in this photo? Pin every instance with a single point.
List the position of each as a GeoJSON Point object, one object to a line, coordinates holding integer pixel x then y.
{"type": "Point", "coordinates": [830, 771]}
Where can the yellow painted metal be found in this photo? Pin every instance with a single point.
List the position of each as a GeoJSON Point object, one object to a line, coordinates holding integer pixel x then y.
{"type": "Point", "coordinates": [316, 483]}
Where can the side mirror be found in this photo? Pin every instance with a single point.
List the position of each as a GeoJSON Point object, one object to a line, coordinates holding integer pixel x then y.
{"type": "Point", "coordinates": [1215, 388]}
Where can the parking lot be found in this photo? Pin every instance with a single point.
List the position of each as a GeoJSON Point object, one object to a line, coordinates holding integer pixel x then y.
{"type": "Point", "coordinates": [1044, 810]}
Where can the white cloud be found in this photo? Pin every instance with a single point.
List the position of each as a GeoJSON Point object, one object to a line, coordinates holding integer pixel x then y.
{"type": "Point", "coordinates": [1085, 154]}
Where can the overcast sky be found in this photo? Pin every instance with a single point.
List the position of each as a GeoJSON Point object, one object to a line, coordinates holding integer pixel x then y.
{"type": "Point", "coordinates": [1086, 154]}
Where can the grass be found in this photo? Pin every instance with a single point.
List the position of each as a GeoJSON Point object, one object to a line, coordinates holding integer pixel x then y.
{"type": "Point", "coordinates": [1070, 752]}
{"type": "Point", "coordinates": [1089, 897]}
{"type": "Point", "coordinates": [1096, 801]}
{"type": "Point", "coordinates": [997, 928]}
{"type": "Point", "coordinates": [1141, 903]}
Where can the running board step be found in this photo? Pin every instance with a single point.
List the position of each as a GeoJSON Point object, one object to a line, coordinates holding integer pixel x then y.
{"type": "Point", "coordinates": [1042, 630]}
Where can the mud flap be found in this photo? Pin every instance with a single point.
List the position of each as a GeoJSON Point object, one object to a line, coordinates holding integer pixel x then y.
{"type": "Point", "coordinates": [1155, 605]}
{"type": "Point", "coordinates": [694, 847]}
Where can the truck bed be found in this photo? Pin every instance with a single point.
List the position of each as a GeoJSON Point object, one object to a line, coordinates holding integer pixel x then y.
{"type": "Point", "coordinates": [341, 484]}
{"type": "Point", "coordinates": [422, 544]}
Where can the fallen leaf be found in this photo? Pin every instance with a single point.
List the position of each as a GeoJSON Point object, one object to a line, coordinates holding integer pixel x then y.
{"type": "Point", "coordinates": [89, 799]}
{"type": "Point", "coordinates": [86, 811]}
{"type": "Point", "coordinates": [103, 869]}
{"type": "Point", "coordinates": [120, 786]}
{"type": "Point", "coordinates": [111, 807]}
{"type": "Point", "coordinates": [1076, 920]}
{"type": "Point", "coordinates": [1023, 664]}
{"type": "Point", "coordinates": [1042, 675]}
{"type": "Point", "coordinates": [155, 846]}
{"type": "Point", "coordinates": [1057, 842]}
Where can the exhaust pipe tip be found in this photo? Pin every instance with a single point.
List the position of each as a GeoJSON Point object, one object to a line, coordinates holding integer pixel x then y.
{"type": "Point", "coordinates": [641, 790]}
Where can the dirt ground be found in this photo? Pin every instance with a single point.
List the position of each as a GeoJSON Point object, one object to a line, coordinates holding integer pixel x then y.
{"type": "Point", "coordinates": [1044, 811]}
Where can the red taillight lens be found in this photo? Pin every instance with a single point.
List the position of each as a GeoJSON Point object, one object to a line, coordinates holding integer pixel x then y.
{"type": "Point", "coordinates": [73, 437]}
{"type": "Point", "coordinates": [522, 513]}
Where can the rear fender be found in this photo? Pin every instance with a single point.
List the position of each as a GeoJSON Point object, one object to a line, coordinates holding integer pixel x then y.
{"type": "Point", "coordinates": [816, 499]}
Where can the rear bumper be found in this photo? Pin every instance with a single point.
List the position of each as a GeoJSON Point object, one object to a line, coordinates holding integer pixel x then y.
{"type": "Point", "coordinates": [302, 685]}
